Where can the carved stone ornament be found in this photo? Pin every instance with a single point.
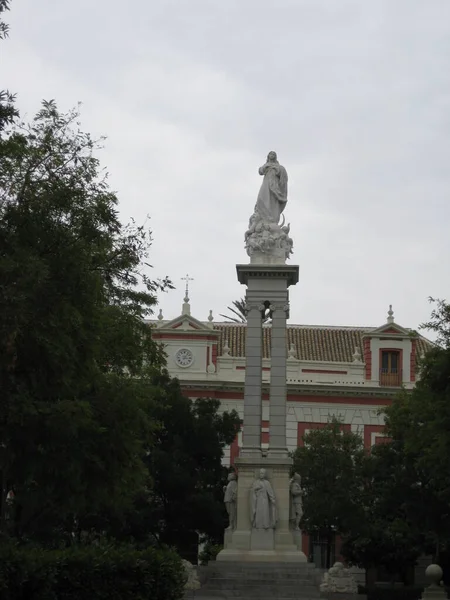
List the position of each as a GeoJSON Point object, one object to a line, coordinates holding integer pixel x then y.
{"type": "Point", "coordinates": [254, 306]}
{"type": "Point", "coordinates": [192, 580]}
{"type": "Point", "coordinates": [338, 580]}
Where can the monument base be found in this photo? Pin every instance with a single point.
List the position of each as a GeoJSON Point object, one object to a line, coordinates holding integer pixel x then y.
{"type": "Point", "coordinates": [247, 544]}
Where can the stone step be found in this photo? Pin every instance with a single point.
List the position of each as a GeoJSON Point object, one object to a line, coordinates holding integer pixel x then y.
{"type": "Point", "coordinates": [220, 595]}
{"type": "Point", "coordinates": [306, 566]}
{"type": "Point", "coordinates": [259, 593]}
{"type": "Point", "coordinates": [233, 583]}
{"type": "Point", "coordinates": [290, 590]}
{"type": "Point", "coordinates": [266, 573]}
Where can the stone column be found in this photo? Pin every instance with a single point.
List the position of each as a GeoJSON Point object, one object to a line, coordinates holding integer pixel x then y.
{"type": "Point", "coordinates": [277, 407]}
{"type": "Point", "coordinates": [251, 435]}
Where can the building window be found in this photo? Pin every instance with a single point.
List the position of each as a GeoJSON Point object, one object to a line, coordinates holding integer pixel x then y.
{"type": "Point", "coordinates": [390, 372]}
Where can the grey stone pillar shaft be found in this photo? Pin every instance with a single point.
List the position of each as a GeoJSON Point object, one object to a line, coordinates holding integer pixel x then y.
{"type": "Point", "coordinates": [277, 405]}
{"type": "Point", "coordinates": [251, 435]}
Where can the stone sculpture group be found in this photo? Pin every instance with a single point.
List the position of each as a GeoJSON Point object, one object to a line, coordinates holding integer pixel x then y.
{"type": "Point", "coordinates": [264, 234]}
{"type": "Point", "coordinates": [263, 508]}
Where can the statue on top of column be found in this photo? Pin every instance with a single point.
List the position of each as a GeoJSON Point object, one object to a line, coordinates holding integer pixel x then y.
{"type": "Point", "coordinates": [266, 240]}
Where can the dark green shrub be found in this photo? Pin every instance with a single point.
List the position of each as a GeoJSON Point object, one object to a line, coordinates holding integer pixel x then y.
{"type": "Point", "coordinates": [209, 552]}
{"type": "Point", "coordinates": [410, 592]}
{"type": "Point", "coordinates": [90, 573]}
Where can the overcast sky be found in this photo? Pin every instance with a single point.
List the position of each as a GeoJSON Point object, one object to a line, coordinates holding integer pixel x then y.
{"type": "Point", "coordinates": [354, 95]}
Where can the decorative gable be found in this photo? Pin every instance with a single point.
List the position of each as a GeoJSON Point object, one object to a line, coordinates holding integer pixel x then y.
{"type": "Point", "coordinates": [390, 354]}
{"type": "Point", "coordinates": [190, 345]}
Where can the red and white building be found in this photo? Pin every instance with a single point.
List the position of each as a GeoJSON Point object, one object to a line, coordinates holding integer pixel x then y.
{"type": "Point", "coordinates": [347, 372]}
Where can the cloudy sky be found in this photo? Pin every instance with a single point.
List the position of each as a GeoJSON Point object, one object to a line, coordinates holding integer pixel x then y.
{"type": "Point", "coordinates": [354, 95]}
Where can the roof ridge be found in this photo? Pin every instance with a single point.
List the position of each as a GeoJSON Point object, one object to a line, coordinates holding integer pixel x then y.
{"type": "Point", "coordinates": [300, 326]}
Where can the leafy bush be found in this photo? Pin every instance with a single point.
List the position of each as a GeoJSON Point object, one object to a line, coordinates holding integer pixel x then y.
{"type": "Point", "coordinates": [209, 552]}
{"type": "Point", "coordinates": [93, 572]}
{"type": "Point", "coordinates": [410, 592]}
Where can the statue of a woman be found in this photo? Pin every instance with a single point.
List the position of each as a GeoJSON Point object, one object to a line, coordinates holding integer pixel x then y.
{"type": "Point", "coordinates": [262, 503]}
{"type": "Point", "coordinates": [272, 196]}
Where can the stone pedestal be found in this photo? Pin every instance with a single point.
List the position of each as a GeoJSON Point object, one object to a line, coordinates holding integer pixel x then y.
{"type": "Point", "coordinates": [274, 545]}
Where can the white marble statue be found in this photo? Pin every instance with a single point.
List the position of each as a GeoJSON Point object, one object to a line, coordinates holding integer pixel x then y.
{"type": "Point", "coordinates": [262, 503]}
{"type": "Point", "coordinates": [272, 196]}
{"type": "Point", "coordinates": [265, 236]}
{"type": "Point", "coordinates": [296, 508]}
{"type": "Point", "coordinates": [338, 579]}
{"type": "Point", "coordinates": [230, 499]}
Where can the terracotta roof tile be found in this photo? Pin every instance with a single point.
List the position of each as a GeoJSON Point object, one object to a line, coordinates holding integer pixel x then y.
{"type": "Point", "coordinates": [330, 344]}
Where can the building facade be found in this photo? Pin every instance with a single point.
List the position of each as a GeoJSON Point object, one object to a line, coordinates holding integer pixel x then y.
{"type": "Point", "coordinates": [347, 372]}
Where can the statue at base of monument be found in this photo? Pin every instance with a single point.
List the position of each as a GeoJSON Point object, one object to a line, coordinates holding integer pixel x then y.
{"type": "Point", "coordinates": [230, 499]}
{"type": "Point", "coordinates": [296, 506]}
{"type": "Point", "coordinates": [264, 234]}
{"type": "Point", "coordinates": [262, 503]}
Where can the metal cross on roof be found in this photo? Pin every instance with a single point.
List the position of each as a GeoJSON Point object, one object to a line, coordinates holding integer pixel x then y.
{"type": "Point", "coordinates": [187, 279]}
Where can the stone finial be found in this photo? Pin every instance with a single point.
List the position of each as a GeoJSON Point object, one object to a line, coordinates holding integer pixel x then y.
{"type": "Point", "coordinates": [357, 358]}
{"type": "Point", "coordinates": [210, 317]}
{"type": "Point", "coordinates": [435, 591]}
{"type": "Point", "coordinates": [292, 352]}
{"type": "Point", "coordinates": [226, 348]}
{"type": "Point", "coordinates": [434, 574]}
{"type": "Point", "coordinates": [186, 309]}
{"type": "Point", "coordinates": [160, 315]}
{"type": "Point", "coordinates": [390, 314]}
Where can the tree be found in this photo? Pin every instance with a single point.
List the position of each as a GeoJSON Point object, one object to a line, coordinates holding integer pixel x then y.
{"type": "Point", "coordinates": [240, 312]}
{"type": "Point", "coordinates": [76, 358]}
{"type": "Point", "coordinates": [7, 110]}
{"type": "Point", "coordinates": [419, 422]}
{"type": "Point", "coordinates": [384, 535]}
{"type": "Point", "coordinates": [331, 466]}
{"type": "Point", "coordinates": [185, 466]}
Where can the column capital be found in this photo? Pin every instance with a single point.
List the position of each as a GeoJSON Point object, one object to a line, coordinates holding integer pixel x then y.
{"type": "Point", "coordinates": [254, 306]}
{"type": "Point", "coordinates": [280, 307]}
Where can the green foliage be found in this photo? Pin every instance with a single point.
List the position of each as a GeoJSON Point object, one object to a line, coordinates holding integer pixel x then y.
{"type": "Point", "coordinates": [95, 572]}
{"type": "Point", "coordinates": [407, 481]}
{"type": "Point", "coordinates": [419, 424]}
{"type": "Point", "coordinates": [7, 110]}
{"type": "Point", "coordinates": [384, 536]}
{"type": "Point", "coordinates": [330, 465]}
{"type": "Point", "coordinates": [76, 357]}
{"type": "Point", "coordinates": [209, 553]}
{"type": "Point", "coordinates": [410, 592]}
{"type": "Point", "coordinates": [239, 313]}
{"type": "Point", "coordinates": [4, 27]}
{"type": "Point", "coordinates": [185, 465]}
